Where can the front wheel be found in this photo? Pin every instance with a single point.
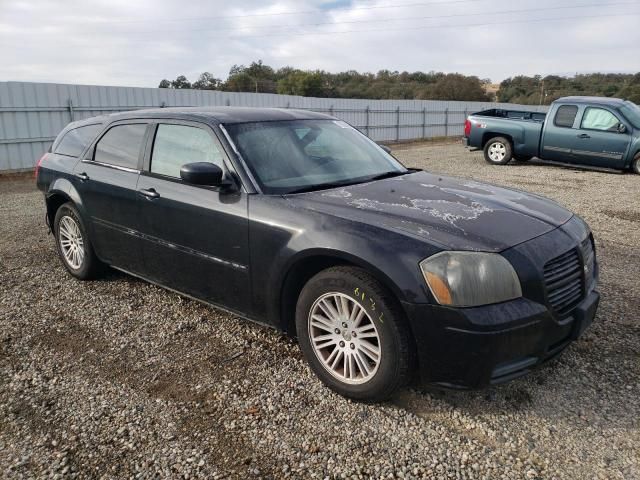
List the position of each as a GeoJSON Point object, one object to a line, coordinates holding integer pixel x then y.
{"type": "Point", "coordinates": [353, 334]}
{"type": "Point", "coordinates": [497, 151]}
{"type": "Point", "coordinates": [635, 165]}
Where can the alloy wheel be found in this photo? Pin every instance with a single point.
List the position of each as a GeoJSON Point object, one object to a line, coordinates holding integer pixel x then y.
{"type": "Point", "coordinates": [344, 338]}
{"type": "Point", "coordinates": [497, 151]}
{"type": "Point", "coordinates": [71, 242]}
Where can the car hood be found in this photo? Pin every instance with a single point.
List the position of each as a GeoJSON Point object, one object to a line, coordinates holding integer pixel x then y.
{"type": "Point", "coordinates": [455, 213]}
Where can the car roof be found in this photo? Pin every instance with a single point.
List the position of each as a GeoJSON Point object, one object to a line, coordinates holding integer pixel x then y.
{"type": "Point", "coordinates": [595, 100]}
{"type": "Point", "coordinates": [226, 115]}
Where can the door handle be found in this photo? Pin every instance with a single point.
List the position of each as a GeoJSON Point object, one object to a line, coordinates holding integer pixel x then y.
{"type": "Point", "coordinates": [584, 135]}
{"type": "Point", "coordinates": [82, 176]}
{"type": "Point", "coordinates": [150, 193]}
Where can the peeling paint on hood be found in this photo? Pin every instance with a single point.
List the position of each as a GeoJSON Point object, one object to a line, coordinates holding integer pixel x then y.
{"type": "Point", "coordinates": [455, 213]}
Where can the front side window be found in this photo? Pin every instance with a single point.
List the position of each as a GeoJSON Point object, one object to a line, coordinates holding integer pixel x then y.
{"type": "Point", "coordinates": [75, 141]}
{"type": "Point", "coordinates": [177, 145]}
{"type": "Point", "coordinates": [121, 145]}
{"type": "Point", "coordinates": [600, 119]}
{"type": "Point", "coordinates": [565, 116]}
{"type": "Point", "coordinates": [299, 155]}
{"type": "Point", "coordinates": [632, 112]}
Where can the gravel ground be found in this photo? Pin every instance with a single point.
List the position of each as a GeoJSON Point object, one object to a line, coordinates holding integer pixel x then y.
{"type": "Point", "coordinates": [118, 378]}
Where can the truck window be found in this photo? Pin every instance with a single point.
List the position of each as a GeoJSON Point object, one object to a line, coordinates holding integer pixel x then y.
{"type": "Point", "coordinates": [565, 116]}
{"type": "Point", "coordinates": [599, 119]}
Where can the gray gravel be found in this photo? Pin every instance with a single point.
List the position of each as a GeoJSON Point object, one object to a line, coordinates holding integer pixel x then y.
{"type": "Point", "coordinates": [118, 378]}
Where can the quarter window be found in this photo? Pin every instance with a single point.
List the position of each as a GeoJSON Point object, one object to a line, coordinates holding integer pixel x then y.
{"type": "Point", "coordinates": [565, 116]}
{"type": "Point", "coordinates": [600, 119]}
{"type": "Point", "coordinates": [121, 145]}
{"type": "Point", "coordinates": [75, 141]}
{"type": "Point", "coordinates": [177, 145]}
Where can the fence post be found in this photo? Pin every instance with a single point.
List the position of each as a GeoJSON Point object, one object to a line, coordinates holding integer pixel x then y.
{"type": "Point", "coordinates": [398, 123]}
{"type": "Point", "coordinates": [424, 122]}
{"type": "Point", "coordinates": [331, 110]}
{"type": "Point", "coordinates": [446, 122]}
{"type": "Point", "coordinates": [366, 110]}
{"type": "Point", "coordinates": [71, 114]}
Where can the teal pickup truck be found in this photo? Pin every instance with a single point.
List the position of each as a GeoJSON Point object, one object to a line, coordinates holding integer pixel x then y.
{"type": "Point", "coordinates": [594, 131]}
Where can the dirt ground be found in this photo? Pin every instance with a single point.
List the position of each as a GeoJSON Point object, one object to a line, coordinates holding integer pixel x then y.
{"type": "Point", "coordinates": [117, 378]}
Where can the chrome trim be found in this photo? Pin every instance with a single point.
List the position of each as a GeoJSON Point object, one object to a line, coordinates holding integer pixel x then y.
{"type": "Point", "coordinates": [170, 245]}
{"type": "Point", "coordinates": [117, 167]}
{"type": "Point", "coordinates": [256, 185]}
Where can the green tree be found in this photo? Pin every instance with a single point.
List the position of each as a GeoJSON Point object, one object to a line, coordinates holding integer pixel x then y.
{"type": "Point", "coordinates": [307, 84]}
{"type": "Point", "coordinates": [207, 81]}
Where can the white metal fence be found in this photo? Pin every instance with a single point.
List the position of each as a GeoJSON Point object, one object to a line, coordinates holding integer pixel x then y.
{"type": "Point", "coordinates": [32, 114]}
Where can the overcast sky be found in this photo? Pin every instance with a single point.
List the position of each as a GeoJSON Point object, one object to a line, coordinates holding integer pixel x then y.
{"type": "Point", "coordinates": [139, 42]}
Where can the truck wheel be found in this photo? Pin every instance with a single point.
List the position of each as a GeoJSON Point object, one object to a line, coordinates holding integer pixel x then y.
{"type": "Point", "coordinates": [354, 335]}
{"type": "Point", "coordinates": [497, 151]}
{"type": "Point", "coordinates": [635, 165]}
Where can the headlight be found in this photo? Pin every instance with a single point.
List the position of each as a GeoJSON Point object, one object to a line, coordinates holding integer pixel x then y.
{"type": "Point", "coordinates": [469, 279]}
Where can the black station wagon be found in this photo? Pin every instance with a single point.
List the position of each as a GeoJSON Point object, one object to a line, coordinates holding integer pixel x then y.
{"type": "Point", "coordinates": [297, 220]}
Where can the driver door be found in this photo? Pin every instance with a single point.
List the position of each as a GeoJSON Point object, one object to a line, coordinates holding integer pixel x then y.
{"type": "Point", "coordinates": [599, 142]}
{"type": "Point", "coordinates": [194, 238]}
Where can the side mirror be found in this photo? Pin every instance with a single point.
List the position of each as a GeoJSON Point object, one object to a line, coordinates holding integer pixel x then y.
{"type": "Point", "coordinates": [386, 149]}
{"type": "Point", "coordinates": [622, 128]}
{"type": "Point", "coordinates": [203, 173]}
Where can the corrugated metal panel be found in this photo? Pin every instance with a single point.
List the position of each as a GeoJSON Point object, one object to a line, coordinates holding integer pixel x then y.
{"type": "Point", "coordinates": [32, 114]}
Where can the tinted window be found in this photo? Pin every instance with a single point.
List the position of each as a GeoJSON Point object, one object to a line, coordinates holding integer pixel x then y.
{"type": "Point", "coordinates": [565, 116]}
{"type": "Point", "coordinates": [75, 141]}
{"type": "Point", "coordinates": [632, 112]}
{"type": "Point", "coordinates": [177, 145]}
{"type": "Point", "coordinates": [121, 145]}
{"type": "Point", "coordinates": [600, 119]}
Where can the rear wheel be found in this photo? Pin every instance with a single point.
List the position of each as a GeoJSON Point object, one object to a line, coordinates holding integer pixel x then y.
{"type": "Point", "coordinates": [353, 334]}
{"type": "Point", "coordinates": [635, 165]}
{"type": "Point", "coordinates": [497, 151]}
{"type": "Point", "coordinates": [73, 244]}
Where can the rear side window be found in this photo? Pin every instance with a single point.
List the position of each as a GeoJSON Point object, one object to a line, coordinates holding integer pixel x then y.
{"type": "Point", "coordinates": [121, 145]}
{"type": "Point", "coordinates": [177, 145]}
{"type": "Point", "coordinates": [565, 116]}
{"type": "Point", "coordinates": [75, 141]}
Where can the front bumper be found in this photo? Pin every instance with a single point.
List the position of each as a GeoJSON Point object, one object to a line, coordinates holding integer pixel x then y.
{"type": "Point", "coordinates": [466, 348]}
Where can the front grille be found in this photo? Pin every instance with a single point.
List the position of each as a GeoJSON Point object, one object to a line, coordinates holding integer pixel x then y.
{"type": "Point", "coordinates": [563, 279]}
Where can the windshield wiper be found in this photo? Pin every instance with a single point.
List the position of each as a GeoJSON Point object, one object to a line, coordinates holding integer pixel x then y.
{"type": "Point", "coordinates": [323, 186]}
{"type": "Point", "coordinates": [382, 176]}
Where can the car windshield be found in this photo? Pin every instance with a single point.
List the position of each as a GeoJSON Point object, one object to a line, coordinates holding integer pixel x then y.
{"type": "Point", "coordinates": [303, 155]}
{"type": "Point", "coordinates": [632, 112]}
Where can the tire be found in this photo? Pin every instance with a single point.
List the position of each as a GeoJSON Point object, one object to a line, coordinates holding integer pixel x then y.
{"type": "Point", "coordinates": [498, 151]}
{"type": "Point", "coordinates": [635, 164]}
{"type": "Point", "coordinates": [522, 158]}
{"type": "Point", "coordinates": [71, 233]}
{"type": "Point", "coordinates": [378, 323]}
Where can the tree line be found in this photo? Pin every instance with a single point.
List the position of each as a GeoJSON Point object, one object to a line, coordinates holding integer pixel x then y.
{"type": "Point", "coordinates": [261, 78]}
{"type": "Point", "coordinates": [538, 90]}
{"type": "Point", "coordinates": [386, 84]}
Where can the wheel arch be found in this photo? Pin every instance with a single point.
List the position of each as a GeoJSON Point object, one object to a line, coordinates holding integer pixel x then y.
{"type": "Point", "coordinates": [307, 264]}
{"type": "Point", "coordinates": [60, 192]}
{"type": "Point", "coordinates": [487, 136]}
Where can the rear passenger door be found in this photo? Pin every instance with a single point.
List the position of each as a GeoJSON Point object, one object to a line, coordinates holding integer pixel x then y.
{"type": "Point", "coordinates": [599, 142]}
{"type": "Point", "coordinates": [195, 238]}
{"type": "Point", "coordinates": [559, 137]}
{"type": "Point", "coordinates": [106, 180]}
